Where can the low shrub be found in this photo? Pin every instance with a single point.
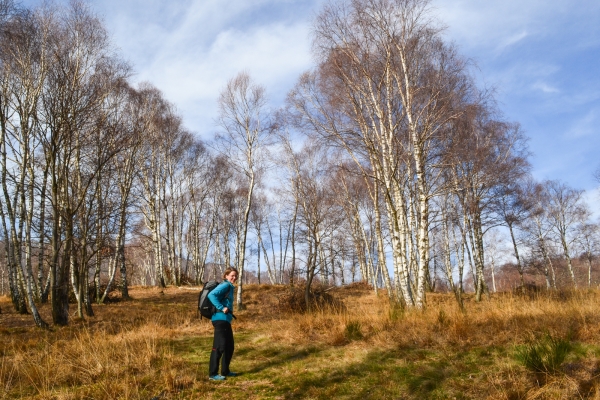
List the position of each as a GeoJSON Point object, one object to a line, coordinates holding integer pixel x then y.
{"type": "Point", "coordinates": [293, 300]}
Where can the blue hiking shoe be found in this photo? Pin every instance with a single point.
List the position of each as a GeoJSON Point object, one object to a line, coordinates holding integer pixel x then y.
{"type": "Point", "coordinates": [232, 374]}
{"type": "Point", "coordinates": [216, 378]}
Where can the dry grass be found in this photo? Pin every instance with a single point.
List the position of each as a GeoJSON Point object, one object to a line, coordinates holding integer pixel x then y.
{"type": "Point", "coordinates": [156, 346]}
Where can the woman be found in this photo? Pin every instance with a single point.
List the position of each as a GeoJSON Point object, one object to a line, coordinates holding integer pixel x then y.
{"type": "Point", "coordinates": [222, 299]}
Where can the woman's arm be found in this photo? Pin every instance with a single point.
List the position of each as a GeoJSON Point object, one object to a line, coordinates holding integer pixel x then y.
{"type": "Point", "coordinates": [217, 294]}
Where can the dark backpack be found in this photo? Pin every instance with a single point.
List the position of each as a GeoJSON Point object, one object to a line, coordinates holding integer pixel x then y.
{"type": "Point", "coordinates": [205, 306]}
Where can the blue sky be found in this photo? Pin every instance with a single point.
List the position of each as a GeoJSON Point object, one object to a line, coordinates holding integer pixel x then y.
{"type": "Point", "coordinates": [541, 56]}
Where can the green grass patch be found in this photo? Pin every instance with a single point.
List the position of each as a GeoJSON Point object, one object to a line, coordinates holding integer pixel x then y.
{"type": "Point", "coordinates": [277, 371]}
{"type": "Point", "coordinates": [545, 354]}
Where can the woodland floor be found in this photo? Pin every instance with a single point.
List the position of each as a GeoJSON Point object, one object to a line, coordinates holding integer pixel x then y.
{"type": "Point", "coordinates": [155, 347]}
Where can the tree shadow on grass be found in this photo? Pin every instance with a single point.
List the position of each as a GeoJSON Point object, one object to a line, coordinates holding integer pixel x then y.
{"type": "Point", "coordinates": [274, 357]}
{"type": "Point", "coordinates": [261, 358]}
{"type": "Point", "coordinates": [401, 373]}
{"type": "Point", "coordinates": [381, 375]}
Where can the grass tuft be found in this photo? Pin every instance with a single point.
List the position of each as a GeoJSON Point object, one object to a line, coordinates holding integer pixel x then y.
{"type": "Point", "coordinates": [353, 331]}
{"type": "Point", "coordinates": [545, 354]}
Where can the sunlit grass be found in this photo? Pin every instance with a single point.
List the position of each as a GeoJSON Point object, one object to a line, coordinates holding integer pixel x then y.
{"type": "Point", "coordinates": [156, 346]}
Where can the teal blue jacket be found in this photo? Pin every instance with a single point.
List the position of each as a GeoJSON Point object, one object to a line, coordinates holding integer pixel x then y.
{"type": "Point", "coordinates": [220, 297]}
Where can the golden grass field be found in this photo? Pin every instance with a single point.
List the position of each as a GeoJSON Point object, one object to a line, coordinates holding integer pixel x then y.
{"type": "Point", "coordinates": [155, 347]}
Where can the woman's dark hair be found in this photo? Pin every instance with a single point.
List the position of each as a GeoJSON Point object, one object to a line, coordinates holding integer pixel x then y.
{"type": "Point", "coordinates": [230, 270]}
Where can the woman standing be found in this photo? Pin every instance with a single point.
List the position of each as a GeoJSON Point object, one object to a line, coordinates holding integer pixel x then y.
{"type": "Point", "coordinates": [222, 299]}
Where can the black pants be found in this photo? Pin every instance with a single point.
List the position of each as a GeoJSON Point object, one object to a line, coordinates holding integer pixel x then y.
{"type": "Point", "coordinates": [222, 347]}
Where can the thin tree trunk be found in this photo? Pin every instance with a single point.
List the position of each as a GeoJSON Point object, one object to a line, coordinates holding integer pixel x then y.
{"type": "Point", "coordinates": [519, 266]}
{"type": "Point", "coordinates": [567, 256]}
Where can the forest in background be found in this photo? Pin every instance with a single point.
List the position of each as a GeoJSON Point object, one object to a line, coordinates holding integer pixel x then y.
{"type": "Point", "coordinates": [388, 164]}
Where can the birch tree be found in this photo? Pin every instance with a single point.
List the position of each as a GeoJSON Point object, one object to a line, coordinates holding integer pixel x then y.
{"type": "Point", "coordinates": [261, 220]}
{"type": "Point", "coordinates": [512, 206]}
{"type": "Point", "coordinates": [207, 182]}
{"type": "Point", "coordinates": [538, 230]}
{"type": "Point", "coordinates": [23, 67]}
{"type": "Point", "coordinates": [246, 133]}
{"type": "Point", "coordinates": [384, 91]}
{"type": "Point", "coordinates": [160, 154]}
{"type": "Point", "coordinates": [485, 153]}
{"type": "Point", "coordinates": [566, 212]}
{"type": "Point", "coordinates": [84, 71]}
{"type": "Point", "coordinates": [125, 165]}
{"type": "Point", "coordinates": [588, 239]}
{"type": "Point", "coordinates": [304, 173]}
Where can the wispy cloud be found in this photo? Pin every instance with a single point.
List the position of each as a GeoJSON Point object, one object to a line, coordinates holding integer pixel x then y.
{"type": "Point", "coordinates": [195, 80]}
{"type": "Point", "coordinates": [587, 125]}
{"type": "Point", "coordinates": [191, 49]}
{"type": "Point", "coordinates": [544, 87]}
{"type": "Point", "coordinates": [511, 40]}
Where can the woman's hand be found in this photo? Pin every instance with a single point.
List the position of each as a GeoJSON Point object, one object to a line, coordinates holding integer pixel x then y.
{"type": "Point", "coordinates": [225, 310]}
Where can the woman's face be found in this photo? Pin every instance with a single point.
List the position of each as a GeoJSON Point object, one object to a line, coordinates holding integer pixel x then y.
{"type": "Point", "coordinates": [231, 277]}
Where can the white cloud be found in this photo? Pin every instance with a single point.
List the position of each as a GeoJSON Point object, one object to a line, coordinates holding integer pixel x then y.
{"type": "Point", "coordinates": [190, 48]}
{"type": "Point", "coordinates": [544, 87]}
{"type": "Point", "coordinates": [274, 55]}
